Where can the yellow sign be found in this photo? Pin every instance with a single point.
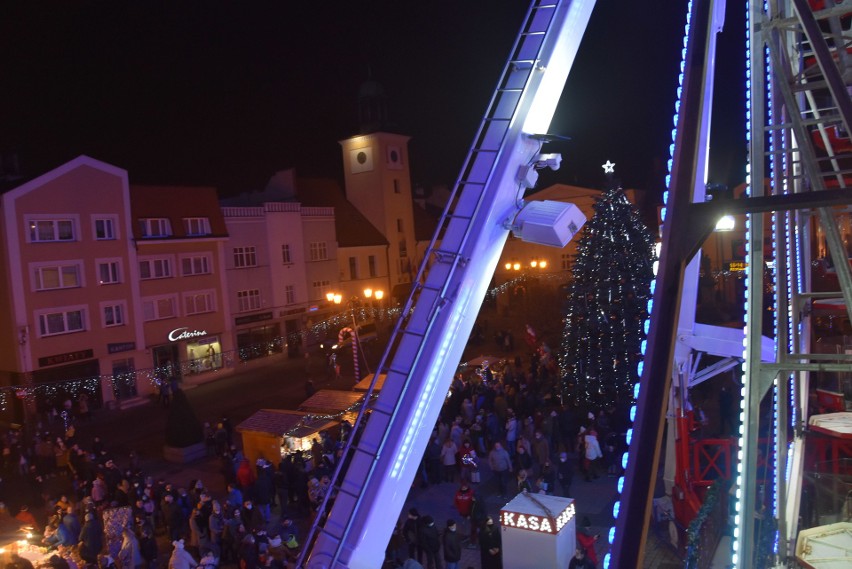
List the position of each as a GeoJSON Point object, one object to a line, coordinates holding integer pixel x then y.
{"type": "Point", "coordinates": [737, 266]}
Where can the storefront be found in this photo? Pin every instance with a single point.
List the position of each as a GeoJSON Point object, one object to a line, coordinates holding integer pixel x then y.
{"type": "Point", "coordinates": [258, 337]}
{"type": "Point", "coordinates": [67, 377]}
{"type": "Point", "coordinates": [187, 352]}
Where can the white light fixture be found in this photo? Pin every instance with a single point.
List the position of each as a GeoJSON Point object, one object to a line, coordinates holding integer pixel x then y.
{"type": "Point", "coordinates": [726, 223]}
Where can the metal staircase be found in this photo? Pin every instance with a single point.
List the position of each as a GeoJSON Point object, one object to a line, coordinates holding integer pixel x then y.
{"type": "Point", "coordinates": [390, 432]}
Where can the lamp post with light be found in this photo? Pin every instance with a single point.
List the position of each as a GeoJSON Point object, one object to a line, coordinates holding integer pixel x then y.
{"type": "Point", "coordinates": [352, 303]}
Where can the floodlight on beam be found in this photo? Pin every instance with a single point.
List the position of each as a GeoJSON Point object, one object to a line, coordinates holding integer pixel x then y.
{"type": "Point", "coordinates": [547, 222]}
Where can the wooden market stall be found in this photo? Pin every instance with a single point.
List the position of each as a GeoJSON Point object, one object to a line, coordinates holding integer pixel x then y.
{"type": "Point", "coordinates": [364, 384]}
{"type": "Point", "coordinates": [271, 434]}
{"type": "Point", "coordinates": [343, 405]}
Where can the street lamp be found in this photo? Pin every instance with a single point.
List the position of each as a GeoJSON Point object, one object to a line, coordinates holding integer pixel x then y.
{"type": "Point", "coordinates": [337, 298]}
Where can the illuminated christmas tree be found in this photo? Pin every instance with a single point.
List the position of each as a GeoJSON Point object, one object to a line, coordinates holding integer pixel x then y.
{"type": "Point", "coordinates": [607, 302]}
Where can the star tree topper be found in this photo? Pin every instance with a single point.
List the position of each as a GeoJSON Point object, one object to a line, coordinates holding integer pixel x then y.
{"type": "Point", "coordinates": [609, 167]}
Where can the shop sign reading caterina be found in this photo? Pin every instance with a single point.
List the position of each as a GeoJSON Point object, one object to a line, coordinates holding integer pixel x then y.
{"type": "Point", "coordinates": [185, 334]}
{"type": "Point", "coordinates": [544, 524]}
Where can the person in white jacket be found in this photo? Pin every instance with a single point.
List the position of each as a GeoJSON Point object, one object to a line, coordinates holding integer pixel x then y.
{"type": "Point", "coordinates": [593, 453]}
{"type": "Point", "coordinates": [181, 558]}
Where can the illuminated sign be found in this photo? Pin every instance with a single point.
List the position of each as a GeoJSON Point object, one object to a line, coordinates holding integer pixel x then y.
{"type": "Point", "coordinates": [185, 334]}
{"type": "Point", "coordinates": [737, 266]}
{"type": "Point", "coordinates": [532, 522]}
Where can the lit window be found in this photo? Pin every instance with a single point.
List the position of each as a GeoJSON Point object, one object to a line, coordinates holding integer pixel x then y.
{"type": "Point", "coordinates": [42, 230]}
{"type": "Point", "coordinates": [52, 277]}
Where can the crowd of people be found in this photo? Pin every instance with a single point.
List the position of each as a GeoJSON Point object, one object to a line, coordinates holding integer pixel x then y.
{"type": "Point", "coordinates": [86, 507]}
{"type": "Point", "coordinates": [499, 434]}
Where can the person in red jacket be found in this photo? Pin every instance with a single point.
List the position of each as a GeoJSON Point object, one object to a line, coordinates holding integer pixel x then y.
{"type": "Point", "coordinates": [245, 476]}
{"type": "Point", "coordinates": [463, 502]}
{"type": "Point", "coordinates": [586, 540]}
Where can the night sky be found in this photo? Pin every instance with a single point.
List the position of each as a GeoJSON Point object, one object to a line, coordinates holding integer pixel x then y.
{"type": "Point", "coordinates": [226, 93]}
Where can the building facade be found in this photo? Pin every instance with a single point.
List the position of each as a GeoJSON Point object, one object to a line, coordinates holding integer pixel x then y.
{"type": "Point", "coordinates": [282, 262]}
{"type": "Point", "coordinates": [180, 236]}
{"type": "Point", "coordinates": [69, 288]}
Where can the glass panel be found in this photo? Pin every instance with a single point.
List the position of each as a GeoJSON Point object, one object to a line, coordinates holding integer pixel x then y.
{"type": "Point", "coordinates": [50, 277]}
{"type": "Point", "coordinates": [75, 320]}
{"type": "Point", "coordinates": [66, 230]}
{"type": "Point", "coordinates": [70, 276]}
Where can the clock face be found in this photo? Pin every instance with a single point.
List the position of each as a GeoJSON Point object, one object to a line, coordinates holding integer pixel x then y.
{"type": "Point", "coordinates": [394, 155]}
{"type": "Point", "coordinates": [361, 160]}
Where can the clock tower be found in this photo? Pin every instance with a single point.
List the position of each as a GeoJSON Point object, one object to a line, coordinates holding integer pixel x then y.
{"type": "Point", "coordinates": [378, 184]}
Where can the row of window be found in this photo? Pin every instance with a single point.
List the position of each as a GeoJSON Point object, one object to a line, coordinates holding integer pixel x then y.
{"type": "Point", "coordinates": [354, 273]}
{"type": "Point", "coordinates": [109, 271]}
{"type": "Point", "coordinates": [113, 313]}
{"type": "Point", "coordinates": [247, 256]}
{"type": "Point", "coordinates": [153, 227]}
{"type": "Point", "coordinates": [105, 228]}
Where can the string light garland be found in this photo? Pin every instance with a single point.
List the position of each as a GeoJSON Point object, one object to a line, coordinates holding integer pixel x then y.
{"type": "Point", "coordinates": [607, 308]}
{"type": "Point", "coordinates": [318, 331]}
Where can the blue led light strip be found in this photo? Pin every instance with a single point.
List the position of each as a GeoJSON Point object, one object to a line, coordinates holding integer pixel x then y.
{"type": "Point", "coordinates": [616, 508]}
{"type": "Point", "coordinates": [737, 541]}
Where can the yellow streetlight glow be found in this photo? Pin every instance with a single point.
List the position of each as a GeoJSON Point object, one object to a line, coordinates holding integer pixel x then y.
{"type": "Point", "coordinates": [542, 264]}
{"type": "Point", "coordinates": [368, 292]}
{"type": "Point", "coordinates": [338, 298]}
{"type": "Point", "coordinates": [508, 266]}
{"type": "Point", "coordinates": [517, 266]}
{"type": "Point", "coordinates": [533, 263]}
{"type": "Point", "coordinates": [380, 294]}
{"type": "Point", "coordinates": [329, 296]}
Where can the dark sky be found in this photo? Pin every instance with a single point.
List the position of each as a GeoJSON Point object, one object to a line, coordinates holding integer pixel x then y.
{"type": "Point", "coordinates": [225, 93]}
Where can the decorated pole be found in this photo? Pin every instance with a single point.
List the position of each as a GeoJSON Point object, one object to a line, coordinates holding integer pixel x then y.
{"type": "Point", "coordinates": [340, 337]}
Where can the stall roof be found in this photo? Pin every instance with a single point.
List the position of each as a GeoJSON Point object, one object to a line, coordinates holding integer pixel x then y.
{"type": "Point", "coordinates": [331, 401]}
{"type": "Point", "coordinates": [278, 422]}
{"type": "Point", "coordinates": [833, 424]}
{"type": "Point", "coordinates": [364, 384]}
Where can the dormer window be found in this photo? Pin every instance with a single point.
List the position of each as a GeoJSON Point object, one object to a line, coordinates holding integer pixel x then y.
{"type": "Point", "coordinates": [155, 227]}
{"type": "Point", "coordinates": [196, 225]}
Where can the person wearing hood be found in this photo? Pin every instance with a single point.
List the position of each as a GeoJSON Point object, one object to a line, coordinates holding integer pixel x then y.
{"type": "Point", "coordinates": [129, 556]}
{"type": "Point", "coordinates": [491, 546]}
{"type": "Point", "coordinates": [181, 559]}
{"type": "Point", "coordinates": [91, 539]}
{"type": "Point", "coordinates": [430, 541]}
